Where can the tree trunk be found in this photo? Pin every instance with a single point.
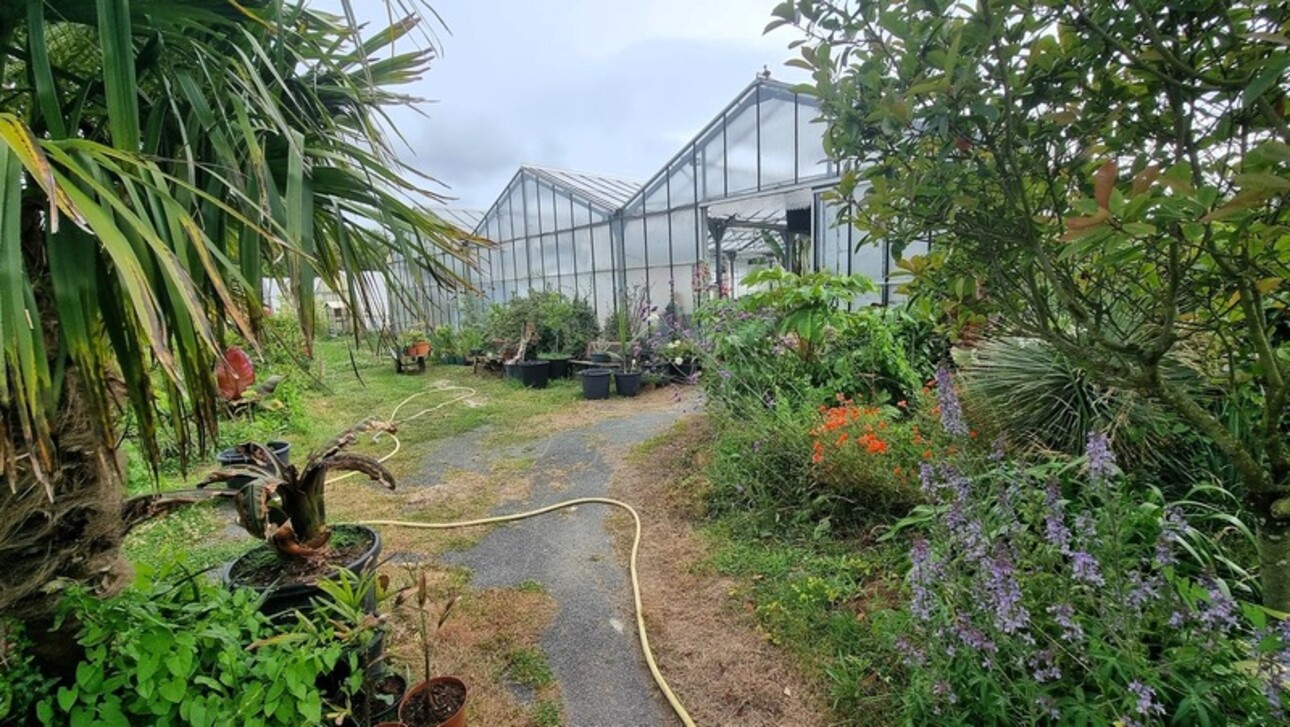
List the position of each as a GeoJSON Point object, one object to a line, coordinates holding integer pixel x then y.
{"type": "Point", "coordinates": [75, 537]}
{"type": "Point", "coordinates": [1274, 561]}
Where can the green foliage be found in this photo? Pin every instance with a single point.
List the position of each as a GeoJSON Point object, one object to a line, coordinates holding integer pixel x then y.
{"type": "Point", "coordinates": [198, 154]}
{"type": "Point", "coordinates": [1121, 221]}
{"type": "Point", "coordinates": [183, 651]}
{"type": "Point", "coordinates": [564, 326]}
{"type": "Point", "coordinates": [22, 686]}
{"type": "Point", "coordinates": [813, 597]}
{"type": "Point", "coordinates": [1035, 395]}
{"type": "Point", "coordinates": [443, 341]}
{"type": "Point", "coordinates": [285, 504]}
{"type": "Point", "coordinates": [808, 306]}
{"type": "Point", "coordinates": [1038, 593]}
{"type": "Point", "coordinates": [528, 666]}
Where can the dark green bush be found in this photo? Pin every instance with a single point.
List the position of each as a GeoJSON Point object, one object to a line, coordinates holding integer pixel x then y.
{"type": "Point", "coordinates": [564, 326]}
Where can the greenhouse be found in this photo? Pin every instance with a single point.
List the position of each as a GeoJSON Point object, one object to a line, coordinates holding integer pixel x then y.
{"type": "Point", "coordinates": [747, 191]}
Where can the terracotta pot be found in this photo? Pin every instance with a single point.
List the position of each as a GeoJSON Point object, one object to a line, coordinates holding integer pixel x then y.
{"type": "Point", "coordinates": [458, 718]}
{"type": "Point", "coordinates": [418, 349]}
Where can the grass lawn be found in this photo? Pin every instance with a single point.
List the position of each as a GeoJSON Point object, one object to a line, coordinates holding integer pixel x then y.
{"type": "Point", "coordinates": [311, 407]}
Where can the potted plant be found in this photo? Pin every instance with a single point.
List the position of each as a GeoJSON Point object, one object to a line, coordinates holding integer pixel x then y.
{"type": "Point", "coordinates": [532, 374]}
{"type": "Point", "coordinates": [471, 342]}
{"type": "Point", "coordinates": [415, 343]}
{"type": "Point", "coordinates": [681, 353]}
{"type": "Point", "coordinates": [595, 383]}
{"type": "Point", "coordinates": [443, 340]}
{"type": "Point", "coordinates": [627, 380]}
{"type": "Point", "coordinates": [557, 314]}
{"type": "Point", "coordinates": [285, 506]}
{"type": "Point", "coordinates": [361, 685]}
{"type": "Point", "coordinates": [436, 701]}
{"type": "Point", "coordinates": [651, 380]}
{"type": "Point", "coordinates": [599, 351]}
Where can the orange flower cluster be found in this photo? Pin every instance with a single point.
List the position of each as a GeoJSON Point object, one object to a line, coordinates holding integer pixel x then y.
{"type": "Point", "coordinates": [844, 415]}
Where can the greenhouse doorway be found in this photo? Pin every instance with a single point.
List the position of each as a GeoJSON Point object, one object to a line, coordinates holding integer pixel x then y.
{"type": "Point", "coordinates": [760, 231]}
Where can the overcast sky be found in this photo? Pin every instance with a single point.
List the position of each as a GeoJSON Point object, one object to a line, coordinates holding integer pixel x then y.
{"type": "Point", "coordinates": [613, 87]}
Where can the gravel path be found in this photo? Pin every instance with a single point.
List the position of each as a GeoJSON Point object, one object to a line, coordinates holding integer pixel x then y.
{"type": "Point", "coordinates": [592, 645]}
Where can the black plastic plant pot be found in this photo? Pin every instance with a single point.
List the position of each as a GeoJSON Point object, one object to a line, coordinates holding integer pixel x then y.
{"type": "Point", "coordinates": [510, 371]}
{"type": "Point", "coordinates": [230, 457]}
{"type": "Point", "coordinates": [627, 384]}
{"type": "Point", "coordinates": [559, 368]}
{"type": "Point", "coordinates": [601, 358]}
{"type": "Point", "coordinates": [535, 374]}
{"type": "Point", "coordinates": [281, 599]}
{"type": "Point", "coordinates": [595, 383]}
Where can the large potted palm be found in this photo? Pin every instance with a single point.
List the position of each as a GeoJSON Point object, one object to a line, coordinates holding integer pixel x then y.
{"type": "Point", "coordinates": [155, 169]}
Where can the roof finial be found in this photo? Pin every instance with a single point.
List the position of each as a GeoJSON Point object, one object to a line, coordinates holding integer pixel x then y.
{"type": "Point", "coordinates": [765, 73]}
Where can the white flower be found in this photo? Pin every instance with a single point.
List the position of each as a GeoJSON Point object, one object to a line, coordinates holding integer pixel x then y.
{"type": "Point", "coordinates": [652, 318]}
{"type": "Point", "coordinates": [678, 360]}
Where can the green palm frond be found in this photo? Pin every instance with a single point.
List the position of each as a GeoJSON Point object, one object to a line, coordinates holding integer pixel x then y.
{"type": "Point", "coordinates": [158, 161]}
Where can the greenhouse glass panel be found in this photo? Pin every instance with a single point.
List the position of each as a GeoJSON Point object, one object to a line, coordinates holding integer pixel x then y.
{"type": "Point", "coordinates": [685, 238]}
{"type": "Point", "coordinates": [681, 182]}
{"type": "Point", "coordinates": [712, 159]}
{"type": "Point", "coordinates": [582, 250]}
{"type": "Point", "coordinates": [778, 160]}
{"type": "Point", "coordinates": [563, 211]}
{"type": "Point", "coordinates": [657, 238]}
{"type": "Point", "coordinates": [516, 208]}
{"type": "Point", "coordinates": [660, 289]}
{"type": "Point", "coordinates": [519, 259]}
{"type": "Point", "coordinates": [581, 213]}
{"type": "Point", "coordinates": [656, 196]}
{"type": "Point", "coordinates": [867, 260]}
{"type": "Point", "coordinates": [550, 256]}
{"type": "Point", "coordinates": [683, 296]}
{"type": "Point", "coordinates": [835, 249]}
{"type": "Point", "coordinates": [564, 253]}
{"type": "Point", "coordinates": [605, 295]}
{"type": "Point", "coordinates": [811, 159]}
{"type": "Point", "coordinates": [537, 260]}
{"type": "Point", "coordinates": [529, 201]}
{"type": "Point", "coordinates": [636, 280]}
{"type": "Point", "coordinates": [741, 151]}
{"type": "Point", "coordinates": [584, 288]}
{"type": "Point", "coordinates": [545, 207]}
{"type": "Point", "coordinates": [634, 243]}
{"type": "Point", "coordinates": [601, 241]}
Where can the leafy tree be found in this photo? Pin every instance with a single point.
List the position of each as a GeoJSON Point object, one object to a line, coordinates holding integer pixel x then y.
{"type": "Point", "coordinates": [158, 158]}
{"type": "Point", "coordinates": [1111, 177]}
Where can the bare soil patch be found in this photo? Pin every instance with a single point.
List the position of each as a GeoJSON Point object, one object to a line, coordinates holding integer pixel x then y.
{"type": "Point", "coordinates": [721, 665]}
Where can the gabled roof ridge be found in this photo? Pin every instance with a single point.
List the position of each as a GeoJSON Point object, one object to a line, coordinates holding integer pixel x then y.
{"type": "Point", "coordinates": [607, 191]}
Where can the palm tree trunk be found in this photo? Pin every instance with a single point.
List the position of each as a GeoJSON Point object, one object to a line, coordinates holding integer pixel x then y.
{"type": "Point", "coordinates": [68, 532]}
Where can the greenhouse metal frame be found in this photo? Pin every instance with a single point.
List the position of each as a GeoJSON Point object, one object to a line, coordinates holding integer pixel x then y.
{"type": "Point", "coordinates": [748, 190]}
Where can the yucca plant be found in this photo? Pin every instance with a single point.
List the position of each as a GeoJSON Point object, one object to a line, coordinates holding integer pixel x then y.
{"type": "Point", "coordinates": [285, 504]}
{"type": "Point", "coordinates": [158, 160]}
{"type": "Point", "coordinates": [1041, 398]}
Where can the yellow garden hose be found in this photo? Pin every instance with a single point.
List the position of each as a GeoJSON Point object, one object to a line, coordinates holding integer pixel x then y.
{"type": "Point", "coordinates": [636, 586]}
{"type": "Point", "coordinates": [636, 538]}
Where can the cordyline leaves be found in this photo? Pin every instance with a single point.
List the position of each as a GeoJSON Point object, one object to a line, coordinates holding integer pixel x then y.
{"type": "Point", "coordinates": [158, 160]}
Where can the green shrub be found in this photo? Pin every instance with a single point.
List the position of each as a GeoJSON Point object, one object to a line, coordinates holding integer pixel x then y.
{"type": "Point", "coordinates": [564, 325]}
{"type": "Point", "coordinates": [188, 652]}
